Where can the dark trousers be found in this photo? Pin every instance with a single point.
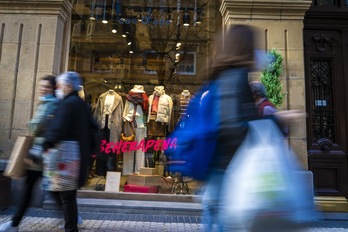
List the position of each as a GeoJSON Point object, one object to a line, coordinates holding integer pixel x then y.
{"type": "Point", "coordinates": [105, 162]}
{"type": "Point", "coordinates": [67, 201]}
{"type": "Point", "coordinates": [28, 188]}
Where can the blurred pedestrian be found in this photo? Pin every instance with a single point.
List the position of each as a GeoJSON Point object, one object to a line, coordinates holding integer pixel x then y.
{"type": "Point", "coordinates": [263, 105]}
{"type": "Point", "coordinates": [37, 125]}
{"type": "Point", "coordinates": [265, 108]}
{"type": "Point", "coordinates": [69, 134]}
{"type": "Point", "coordinates": [234, 102]}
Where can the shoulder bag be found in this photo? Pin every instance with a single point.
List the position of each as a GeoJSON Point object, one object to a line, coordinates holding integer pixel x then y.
{"type": "Point", "coordinates": [129, 125]}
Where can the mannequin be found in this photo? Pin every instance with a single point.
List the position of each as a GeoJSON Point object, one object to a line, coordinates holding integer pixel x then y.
{"type": "Point", "coordinates": [136, 104]}
{"type": "Point", "coordinates": [108, 113]}
{"type": "Point", "coordinates": [160, 111]}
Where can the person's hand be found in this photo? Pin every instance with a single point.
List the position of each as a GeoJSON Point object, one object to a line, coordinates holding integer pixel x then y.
{"type": "Point", "coordinates": [287, 116]}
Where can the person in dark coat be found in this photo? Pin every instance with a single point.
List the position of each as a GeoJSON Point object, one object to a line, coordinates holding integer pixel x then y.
{"type": "Point", "coordinates": [71, 123]}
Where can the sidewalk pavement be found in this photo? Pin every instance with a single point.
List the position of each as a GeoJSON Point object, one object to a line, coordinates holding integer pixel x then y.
{"type": "Point", "coordinates": [38, 219]}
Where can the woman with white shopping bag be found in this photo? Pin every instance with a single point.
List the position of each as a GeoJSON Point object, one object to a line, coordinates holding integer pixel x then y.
{"type": "Point", "coordinates": [234, 103]}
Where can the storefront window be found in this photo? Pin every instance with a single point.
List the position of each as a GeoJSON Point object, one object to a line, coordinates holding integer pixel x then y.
{"type": "Point", "coordinates": [150, 48]}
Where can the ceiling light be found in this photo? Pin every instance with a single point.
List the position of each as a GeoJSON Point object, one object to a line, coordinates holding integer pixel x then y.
{"type": "Point", "coordinates": [198, 20]}
{"type": "Point", "coordinates": [104, 14]}
{"type": "Point", "coordinates": [92, 11]}
{"type": "Point", "coordinates": [114, 28]}
{"type": "Point", "coordinates": [131, 52]}
{"type": "Point", "coordinates": [140, 17]}
{"type": "Point", "coordinates": [129, 43]}
{"type": "Point", "coordinates": [186, 19]}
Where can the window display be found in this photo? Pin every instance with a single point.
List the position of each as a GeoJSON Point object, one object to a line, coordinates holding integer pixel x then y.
{"type": "Point", "coordinates": [140, 62]}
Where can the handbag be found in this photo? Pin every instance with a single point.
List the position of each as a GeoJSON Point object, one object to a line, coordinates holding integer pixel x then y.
{"type": "Point", "coordinates": [157, 129]}
{"type": "Point", "coordinates": [15, 167]}
{"type": "Point", "coordinates": [129, 125]}
{"type": "Point", "coordinates": [124, 137]}
{"type": "Point", "coordinates": [62, 167]}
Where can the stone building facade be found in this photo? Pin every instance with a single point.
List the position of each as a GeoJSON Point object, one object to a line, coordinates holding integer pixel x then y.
{"type": "Point", "coordinates": [35, 40]}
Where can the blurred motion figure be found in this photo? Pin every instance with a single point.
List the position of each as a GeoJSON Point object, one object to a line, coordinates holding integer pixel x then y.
{"type": "Point", "coordinates": [37, 126]}
{"type": "Point", "coordinates": [67, 146]}
{"type": "Point", "coordinates": [234, 102]}
{"type": "Point", "coordinates": [264, 106]}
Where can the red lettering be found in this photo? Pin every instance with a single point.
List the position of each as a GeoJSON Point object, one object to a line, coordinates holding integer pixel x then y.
{"type": "Point", "coordinates": [165, 144]}
{"type": "Point", "coordinates": [103, 142]}
{"type": "Point", "coordinates": [173, 143]}
{"type": "Point", "coordinates": [108, 148]}
{"type": "Point", "coordinates": [125, 147]}
{"type": "Point", "coordinates": [133, 146]}
{"type": "Point", "coordinates": [149, 144]}
{"type": "Point", "coordinates": [157, 146]}
{"type": "Point", "coordinates": [117, 147]}
{"type": "Point", "coordinates": [141, 145]}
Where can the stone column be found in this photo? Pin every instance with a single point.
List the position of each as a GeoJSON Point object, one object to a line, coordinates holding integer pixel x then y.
{"type": "Point", "coordinates": [34, 41]}
{"type": "Point", "coordinates": [280, 23]}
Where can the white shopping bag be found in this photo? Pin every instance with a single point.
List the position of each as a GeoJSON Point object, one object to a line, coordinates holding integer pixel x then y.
{"type": "Point", "coordinates": [262, 181]}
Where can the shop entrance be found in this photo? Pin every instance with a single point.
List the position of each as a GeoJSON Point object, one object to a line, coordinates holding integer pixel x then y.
{"type": "Point", "coordinates": [325, 51]}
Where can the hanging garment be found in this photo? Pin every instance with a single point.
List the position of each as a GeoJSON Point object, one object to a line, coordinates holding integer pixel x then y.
{"type": "Point", "coordinates": [114, 111]}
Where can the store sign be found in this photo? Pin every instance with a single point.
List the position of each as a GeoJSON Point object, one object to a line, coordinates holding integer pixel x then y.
{"type": "Point", "coordinates": [144, 145]}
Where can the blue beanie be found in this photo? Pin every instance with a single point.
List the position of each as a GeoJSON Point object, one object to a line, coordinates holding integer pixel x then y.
{"type": "Point", "coordinates": [258, 89]}
{"type": "Point", "coordinates": [72, 78]}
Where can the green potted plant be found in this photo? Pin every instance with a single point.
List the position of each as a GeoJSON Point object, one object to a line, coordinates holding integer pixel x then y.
{"type": "Point", "coordinates": [270, 77]}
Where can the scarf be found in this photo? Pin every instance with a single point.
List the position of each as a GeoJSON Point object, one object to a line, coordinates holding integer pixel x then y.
{"type": "Point", "coordinates": [139, 99]}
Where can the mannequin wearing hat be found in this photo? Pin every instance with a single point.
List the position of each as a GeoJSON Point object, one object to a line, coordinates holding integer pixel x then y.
{"type": "Point", "coordinates": [160, 111]}
{"type": "Point", "coordinates": [134, 114]}
{"type": "Point", "coordinates": [108, 113]}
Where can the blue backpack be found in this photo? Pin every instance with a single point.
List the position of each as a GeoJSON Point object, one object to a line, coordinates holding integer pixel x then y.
{"type": "Point", "coordinates": [196, 137]}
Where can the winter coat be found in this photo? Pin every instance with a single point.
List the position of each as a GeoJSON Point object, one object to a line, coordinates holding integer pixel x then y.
{"type": "Point", "coordinates": [115, 119]}
{"type": "Point", "coordinates": [165, 106]}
